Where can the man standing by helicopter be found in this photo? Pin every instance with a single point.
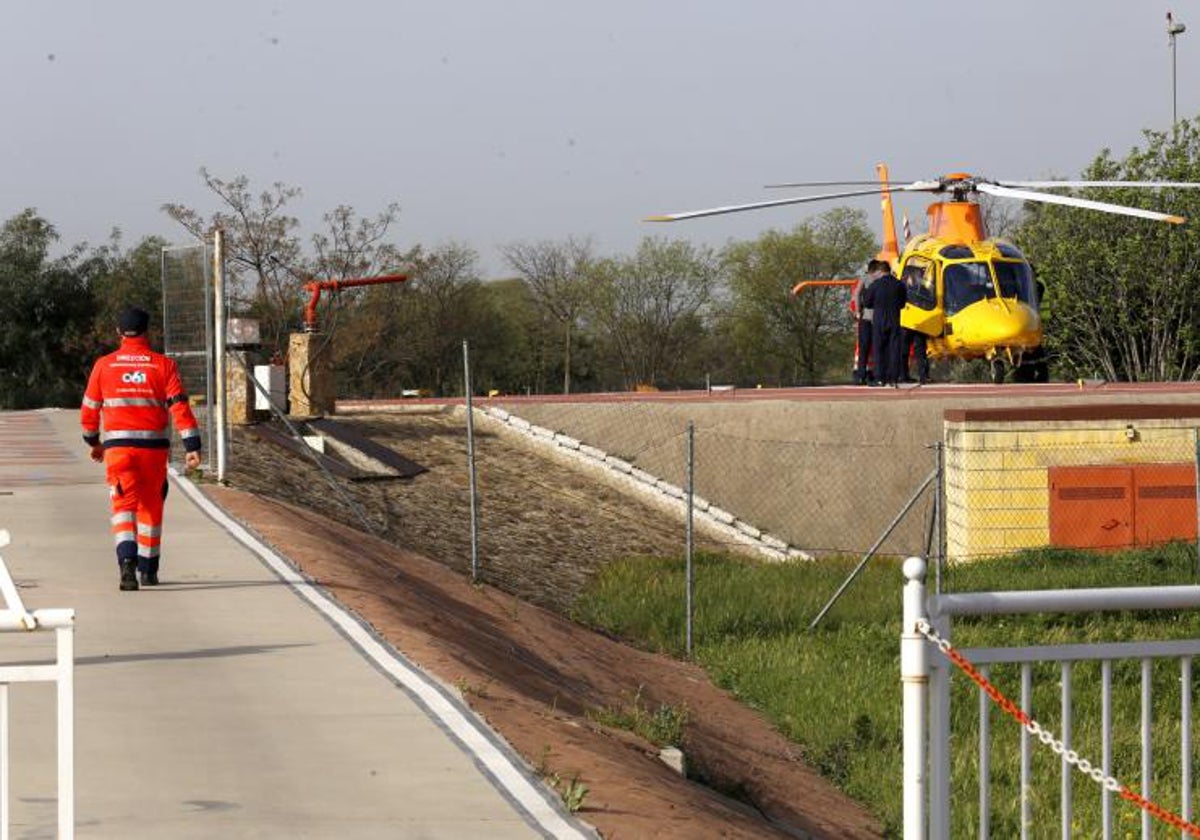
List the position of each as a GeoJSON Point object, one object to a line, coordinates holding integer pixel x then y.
{"type": "Point", "coordinates": [886, 297]}
{"type": "Point", "coordinates": [864, 369]}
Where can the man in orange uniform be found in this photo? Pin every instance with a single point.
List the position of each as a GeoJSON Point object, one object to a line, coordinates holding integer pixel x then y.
{"type": "Point", "coordinates": [131, 391]}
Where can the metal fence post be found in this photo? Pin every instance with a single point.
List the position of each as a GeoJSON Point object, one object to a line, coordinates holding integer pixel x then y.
{"type": "Point", "coordinates": [219, 347]}
{"type": "Point", "coordinates": [914, 674]}
{"type": "Point", "coordinates": [1196, 476]}
{"type": "Point", "coordinates": [939, 505]}
{"type": "Point", "coordinates": [471, 463]}
{"type": "Point", "coordinates": [691, 488]}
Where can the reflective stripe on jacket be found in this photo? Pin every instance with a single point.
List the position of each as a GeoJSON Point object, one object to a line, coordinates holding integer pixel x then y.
{"type": "Point", "coordinates": [130, 393]}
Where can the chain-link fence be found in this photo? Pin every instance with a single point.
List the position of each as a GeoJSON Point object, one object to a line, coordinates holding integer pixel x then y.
{"type": "Point", "coordinates": [778, 484]}
{"type": "Point", "coordinates": [187, 295]}
{"type": "Point", "coordinates": [1102, 486]}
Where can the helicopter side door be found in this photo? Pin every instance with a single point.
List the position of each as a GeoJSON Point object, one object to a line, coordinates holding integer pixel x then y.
{"type": "Point", "coordinates": [922, 312]}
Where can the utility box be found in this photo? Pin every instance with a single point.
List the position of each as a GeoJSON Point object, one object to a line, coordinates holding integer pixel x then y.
{"type": "Point", "coordinates": [1121, 506]}
{"type": "Point", "coordinates": [242, 333]}
{"type": "Point", "coordinates": [273, 380]}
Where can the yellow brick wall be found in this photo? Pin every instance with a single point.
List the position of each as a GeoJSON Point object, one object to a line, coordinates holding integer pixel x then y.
{"type": "Point", "coordinates": [997, 474]}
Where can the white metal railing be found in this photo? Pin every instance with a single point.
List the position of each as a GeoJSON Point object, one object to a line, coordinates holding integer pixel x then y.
{"type": "Point", "coordinates": [15, 618]}
{"type": "Point", "coordinates": [926, 681]}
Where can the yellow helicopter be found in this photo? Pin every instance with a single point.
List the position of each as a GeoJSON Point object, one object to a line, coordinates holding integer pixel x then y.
{"type": "Point", "coordinates": [972, 296]}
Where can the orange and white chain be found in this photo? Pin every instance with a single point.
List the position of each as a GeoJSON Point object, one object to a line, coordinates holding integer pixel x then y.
{"type": "Point", "coordinates": [1046, 737]}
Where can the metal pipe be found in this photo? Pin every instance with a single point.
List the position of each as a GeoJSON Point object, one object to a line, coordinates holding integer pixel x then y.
{"type": "Point", "coordinates": [1066, 799]}
{"type": "Point", "coordinates": [1026, 752]}
{"type": "Point", "coordinates": [1067, 601]}
{"type": "Point", "coordinates": [66, 731]}
{"type": "Point", "coordinates": [1147, 756]}
{"type": "Point", "coordinates": [690, 570]}
{"type": "Point", "coordinates": [471, 463]}
{"type": "Point", "coordinates": [219, 347]}
{"type": "Point", "coordinates": [914, 676]}
{"type": "Point", "coordinates": [1185, 740]}
{"type": "Point", "coordinates": [871, 551]}
{"type": "Point", "coordinates": [1196, 482]}
{"type": "Point", "coordinates": [315, 287]}
{"type": "Point", "coordinates": [985, 760]}
{"type": "Point", "coordinates": [939, 491]}
{"type": "Point", "coordinates": [939, 749]}
{"type": "Point", "coordinates": [4, 775]}
{"type": "Point", "coordinates": [1106, 815]}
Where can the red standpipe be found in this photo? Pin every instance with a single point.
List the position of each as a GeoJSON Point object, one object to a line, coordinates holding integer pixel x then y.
{"type": "Point", "coordinates": [317, 286]}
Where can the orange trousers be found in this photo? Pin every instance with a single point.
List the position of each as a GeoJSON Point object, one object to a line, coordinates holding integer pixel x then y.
{"type": "Point", "coordinates": [137, 486]}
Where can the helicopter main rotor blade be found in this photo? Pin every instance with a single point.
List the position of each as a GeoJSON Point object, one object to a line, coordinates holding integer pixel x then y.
{"type": "Point", "coordinates": [758, 205]}
{"type": "Point", "coordinates": [1046, 185]}
{"type": "Point", "coordinates": [1071, 201]}
{"type": "Point", "coordinates": [795, 184]}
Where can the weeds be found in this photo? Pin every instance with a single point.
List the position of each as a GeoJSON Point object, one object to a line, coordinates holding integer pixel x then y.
{"type": "Point", "coordinates": [836, 690]}
{"type": "Point", "coordinates": [662, 727]}
{"type": "Point", "coordinates": [466, 688]}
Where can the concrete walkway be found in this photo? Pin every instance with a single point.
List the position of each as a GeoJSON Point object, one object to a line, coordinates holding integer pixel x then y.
{"type": "Point", "coordinates": [223, 704]}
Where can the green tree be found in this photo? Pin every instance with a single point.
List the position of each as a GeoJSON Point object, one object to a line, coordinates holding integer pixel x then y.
{"type": "Point", "coordinates": [127, 277]}
{"type": "Point", "coordinates": [47, 311]}
{"type": "Point", "coordinates": [411, 335]}
{"type": "Point", "coordinates": [522, 353]}
{"type": "Point", "coordinates": [1123, 294]}
{"type": "Point", "coordinates": [779, 339]}
{"type": "Point", "coordinates": [649, 308]}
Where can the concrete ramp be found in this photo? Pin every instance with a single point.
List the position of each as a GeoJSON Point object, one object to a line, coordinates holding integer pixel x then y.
{"type": "Point", "coordinates": [234, 700]}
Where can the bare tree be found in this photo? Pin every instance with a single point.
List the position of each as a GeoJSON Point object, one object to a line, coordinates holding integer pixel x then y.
{"type": "Point", "coordinates": [261, 242]}
{"type": "Point", "coordinates": [267, 262]}
{"type": "Point", "coordinates": [557, 274]}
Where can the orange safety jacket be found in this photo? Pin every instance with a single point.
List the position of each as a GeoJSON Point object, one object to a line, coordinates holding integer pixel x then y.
{"type": "Point", "coordinates": [131, 391]}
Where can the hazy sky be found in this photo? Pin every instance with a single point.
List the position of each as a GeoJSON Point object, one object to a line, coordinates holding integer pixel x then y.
{"type": "Point", "coordinates": [492, 122]}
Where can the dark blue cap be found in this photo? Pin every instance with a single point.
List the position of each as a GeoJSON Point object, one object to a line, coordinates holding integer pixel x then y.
{"type": "Point", "coordinates": [133, 321]}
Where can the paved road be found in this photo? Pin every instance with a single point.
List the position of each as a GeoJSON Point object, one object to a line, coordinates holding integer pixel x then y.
{"type": "Point", "coordinates": [223, 703]}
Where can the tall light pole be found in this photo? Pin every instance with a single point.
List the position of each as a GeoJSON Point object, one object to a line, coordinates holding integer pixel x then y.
{"type": "Point", "coordinates": [1174, 28]}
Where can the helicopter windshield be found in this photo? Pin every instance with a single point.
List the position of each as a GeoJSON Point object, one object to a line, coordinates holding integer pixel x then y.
{"type": "Point", "coordinates": [967, 283]}
{"type": "Point", "coordinates": [971, 282]}
{"type": "Point", "coordinates": [1016, 280]}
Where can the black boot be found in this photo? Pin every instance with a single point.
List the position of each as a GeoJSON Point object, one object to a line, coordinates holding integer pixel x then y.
{"type": "Point", "coordinates": [149, 572]}
{"type": "Point", "coordinates": [129, 575]}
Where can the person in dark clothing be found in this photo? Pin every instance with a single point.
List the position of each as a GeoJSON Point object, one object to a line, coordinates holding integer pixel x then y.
{"type": "Point", "coordinates": [886, 297]}
{"type": "Point", "coordinates": [864, 364]}
{"type": "Point", "coordinates": [915, 343]}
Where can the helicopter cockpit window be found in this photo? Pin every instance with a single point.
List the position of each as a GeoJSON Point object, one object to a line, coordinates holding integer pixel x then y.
{"type": "Point", "coordinates": [1012, 251]}
{"type": "Point", "coordinates": [1016, 280]}
{"type": "Point", "coordinates": [919, 282]}
{"type": "Point", "coordinates": [957, 252]}
{"type": "Point", "coordinates": [966, 283]}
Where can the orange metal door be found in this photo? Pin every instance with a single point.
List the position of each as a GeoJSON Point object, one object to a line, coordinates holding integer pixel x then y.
{"type": "Point", "coordinates": [1165, 503]}
{"type": "Point", "coordinates": [1091, 507]}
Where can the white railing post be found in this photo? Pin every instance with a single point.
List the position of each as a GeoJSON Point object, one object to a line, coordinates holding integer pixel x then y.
{"type": "Point", "coordinates": [65, 636]}
{"type": "Point", "coordinates": [914, 675]}
{"type": "Point", "coordinates": [15, 618]}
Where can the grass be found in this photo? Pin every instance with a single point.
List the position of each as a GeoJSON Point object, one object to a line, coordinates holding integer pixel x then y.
{"type": "Point", "coordinates": [836, 691]}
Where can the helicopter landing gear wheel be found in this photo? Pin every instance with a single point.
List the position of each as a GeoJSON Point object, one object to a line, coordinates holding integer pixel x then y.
{"type": "Point", "coordinates": [998, 371]}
